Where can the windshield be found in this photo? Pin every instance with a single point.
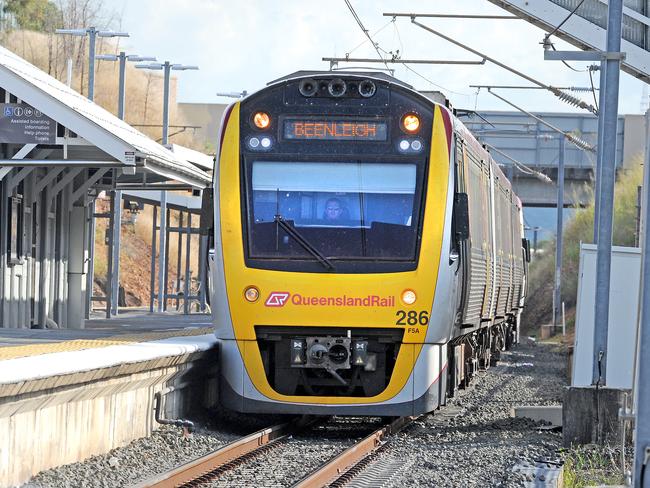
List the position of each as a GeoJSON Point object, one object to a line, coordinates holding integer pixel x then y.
{"type": "Point", "coordinates": [345, 210]}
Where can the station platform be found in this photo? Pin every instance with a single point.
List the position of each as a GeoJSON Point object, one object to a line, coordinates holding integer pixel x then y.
{"type": "Point", "coordinates": [66, 394]}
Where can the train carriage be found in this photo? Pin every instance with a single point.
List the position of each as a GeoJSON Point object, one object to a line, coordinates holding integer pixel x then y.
{"type": "Point", "coordinates": [369, 253]}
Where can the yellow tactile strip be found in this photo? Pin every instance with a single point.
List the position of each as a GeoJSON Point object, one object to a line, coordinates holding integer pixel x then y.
{"type": "Point", "coordinates": [13, 352]}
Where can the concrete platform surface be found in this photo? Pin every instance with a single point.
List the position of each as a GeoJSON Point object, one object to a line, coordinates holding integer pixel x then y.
{"type": "Point", "coordinates": [127, 328]}
{"type": "Point", "coordinates": [68, 394]}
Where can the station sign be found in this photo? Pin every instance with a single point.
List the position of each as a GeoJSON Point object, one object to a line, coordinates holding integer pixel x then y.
{"type": "Point", "coordinates": [23, 124]}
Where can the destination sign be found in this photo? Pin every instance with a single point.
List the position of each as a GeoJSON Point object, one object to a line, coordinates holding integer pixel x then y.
{"type": "Point", "coordinates": [335, 130]}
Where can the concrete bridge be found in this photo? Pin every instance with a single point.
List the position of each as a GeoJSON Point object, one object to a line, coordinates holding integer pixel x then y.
{"type": "Point", "coordinates": [529, 142]}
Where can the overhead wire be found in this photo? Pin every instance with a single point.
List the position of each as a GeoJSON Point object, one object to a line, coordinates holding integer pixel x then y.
{"type": "Point", "coordinates": [365, 31]}
{"type": "Point", "coordinates": [419, 74]}
{"type": "Point", "coordinates": [347, 54]}
{"type": "Point", "coordinates": [567, 18]}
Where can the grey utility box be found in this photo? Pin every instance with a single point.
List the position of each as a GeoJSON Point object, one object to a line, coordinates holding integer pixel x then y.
{"type": "Point", "coordinates": [623, 317]}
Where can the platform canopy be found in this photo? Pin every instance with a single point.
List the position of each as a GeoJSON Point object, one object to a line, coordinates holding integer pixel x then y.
{"type": "Point", "coordinates": [96, 134]}
{"type": "Point", "coordinates": [587, 27]}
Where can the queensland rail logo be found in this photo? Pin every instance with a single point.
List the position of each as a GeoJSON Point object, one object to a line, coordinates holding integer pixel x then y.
{"type": "Point", "coordinates": [277, 299]}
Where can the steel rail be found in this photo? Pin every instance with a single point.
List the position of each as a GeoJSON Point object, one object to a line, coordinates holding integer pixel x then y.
{"type": "Point", "coordinates": [348, 459]}
{"type": "Point", "coordinates": [213, 461]}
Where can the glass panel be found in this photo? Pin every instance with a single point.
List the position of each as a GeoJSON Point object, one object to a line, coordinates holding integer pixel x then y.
{"type": "Point", "coordinates": [344, 210]}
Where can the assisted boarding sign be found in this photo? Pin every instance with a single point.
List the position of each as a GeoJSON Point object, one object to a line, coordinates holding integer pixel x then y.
{"type": "Point", "coordinates": [22, 124]}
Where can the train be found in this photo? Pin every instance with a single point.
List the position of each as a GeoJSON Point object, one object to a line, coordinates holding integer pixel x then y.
{"type": "Point", "coordinates": [369, 255]}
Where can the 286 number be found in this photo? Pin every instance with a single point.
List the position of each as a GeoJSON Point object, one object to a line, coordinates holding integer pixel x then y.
{"type": "Point", "coordinates": [412, 317]}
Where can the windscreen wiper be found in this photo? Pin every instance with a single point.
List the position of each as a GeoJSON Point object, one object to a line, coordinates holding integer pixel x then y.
{"type": "Point", "coordinates": [303, 242]}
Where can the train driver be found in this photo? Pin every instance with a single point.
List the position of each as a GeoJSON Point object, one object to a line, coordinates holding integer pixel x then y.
{"type": "Point", "coordinates": [335, 210]}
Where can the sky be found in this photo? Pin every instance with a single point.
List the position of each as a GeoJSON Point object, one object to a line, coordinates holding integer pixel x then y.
{"type": "Point", "coordinates": [244, 45]}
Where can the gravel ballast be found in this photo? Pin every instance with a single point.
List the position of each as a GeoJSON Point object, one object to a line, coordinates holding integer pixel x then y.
{"type": "Point", "coordinates": [472, 441]}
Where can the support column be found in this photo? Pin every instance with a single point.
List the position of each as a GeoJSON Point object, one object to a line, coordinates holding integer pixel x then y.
{"type": "Point", "coordinates": [76, 268]}
{"type": "Point", "coordinates": [116, 234]}
{"type": "Point", "coordinates": [90, 214]}
{"type": "Point", "coordinates": [3, 252]}
{"type": "Point", "coordinates": [152, 281]}
{"type": "Point", "coordinates": [557, 296]}
{"type": "Point", "coordinates": [608, 176]}
{"type": "Point", "coordinates": [203, 273]}
{"type": "Point", "coordinates": [162, 252]}
{"type": "Point", "coordinates": [188, 244]}
{"type": "Point", "coordinates": [599, 154]}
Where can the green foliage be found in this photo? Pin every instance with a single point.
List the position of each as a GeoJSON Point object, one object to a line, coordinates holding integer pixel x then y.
{"type": "Point", "coordinates": [35, 15]}
{"type": "Point", "coordinates": [591, 465]}
{"type": "Point", "coordinates": [579, 229]}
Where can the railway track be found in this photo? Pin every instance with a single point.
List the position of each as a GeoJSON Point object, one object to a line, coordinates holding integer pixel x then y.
{"type": "Point", "coordinates": [342, 468]}
{"type": "Point", "coordinates": [337, 470]}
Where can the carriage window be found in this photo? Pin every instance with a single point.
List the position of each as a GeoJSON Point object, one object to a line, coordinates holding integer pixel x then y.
{"type": "Point", "coordinates": [346, 209]}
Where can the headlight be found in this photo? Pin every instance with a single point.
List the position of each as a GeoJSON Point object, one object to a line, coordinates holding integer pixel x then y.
{"type": "Point", "coordinates": [409, 297]}
{"type": "Point", "coordinates": [251, 294]}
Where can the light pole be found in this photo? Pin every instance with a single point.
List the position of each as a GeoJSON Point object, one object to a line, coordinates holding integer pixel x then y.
{"type": "Point", "coordinates": [166, 67]}
{"type": "Point", "coordinates": [123, 58]}
{"type": "Point", "coordinates": [92, 34]}
{"type": "Point", "coordinates": [113, 277]}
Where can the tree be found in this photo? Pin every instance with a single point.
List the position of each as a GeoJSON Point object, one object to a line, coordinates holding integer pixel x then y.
{"type": "Point", "coordinates": [36, 15]}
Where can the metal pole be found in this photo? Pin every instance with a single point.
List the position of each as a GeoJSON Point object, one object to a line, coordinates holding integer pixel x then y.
{"type": "Point", "coordinates": [599, 154]}
{"type": "Point", "coordinates": [637, 230]}
{"type": "Point", "coordinates": [116, 210]}
{"type": "Point", "coordinates": [116, 234]}
{"type": "Point", "coordinates": [178, 259]}
{"type": "Point", "coordinates": [162, 252]}
{"type": "Point", "coordinates": [605, 218]}
{"type": "Point", "coordinates": [90, 278]}
{"type": "Point", "coordinates": [558, 241]}
{"type": "Point", "coordinates": [641, 476]}
{"type": "Point", "coordinates": [188, 248]}
{"type": "Point", "coordinates": [165, 123]}
{"type": "Point", "coordinates": [203, 263]}
{"type": "Point", "coordinates": [120, 101]}
{"type": "Point", "coordinates": [152, 281]}
{"type": "Point", "coordinates": [109, 266]}
{"type": "Point", "coordinates": [167, 241]}
{"type": "Point", "coordinates": [92, 34]}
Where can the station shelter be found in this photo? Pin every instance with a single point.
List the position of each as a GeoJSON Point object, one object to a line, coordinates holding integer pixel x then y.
{"type": "Point", "coordinates": [59, 150]}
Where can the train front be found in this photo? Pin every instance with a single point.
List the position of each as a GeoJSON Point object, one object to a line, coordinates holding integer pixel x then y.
{"type": "Point", "coordinates": [332, 203]}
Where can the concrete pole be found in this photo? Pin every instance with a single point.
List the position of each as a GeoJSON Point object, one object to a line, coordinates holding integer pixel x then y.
{"type": "Point", "coordinates": [641, 473]}
{"type": "Point", "coordinates": [165, 123]}
{"type": "Point", "coordinates": [599, 154]}
{"type": "Point", "coordinates": [92, 34]}
{"type": "Point", "coordinates": [608, 176]}
{"type": "Point", "coordinates": [162, 262]}
{"type": "Point", "coordinates": [557, 301]}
